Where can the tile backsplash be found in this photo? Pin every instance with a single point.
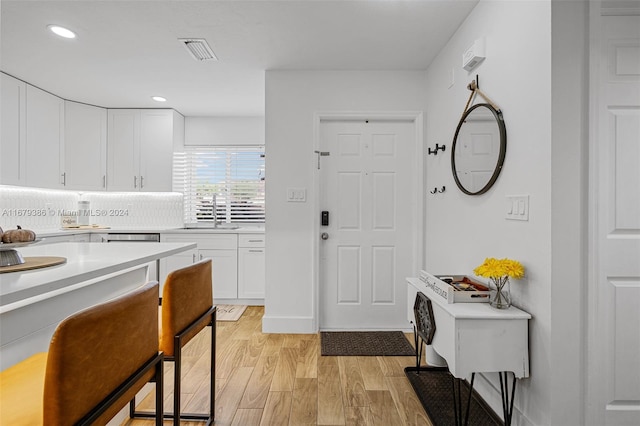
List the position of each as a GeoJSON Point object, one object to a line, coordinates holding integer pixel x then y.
{"type": "Point", "coordinates": [42, 209]}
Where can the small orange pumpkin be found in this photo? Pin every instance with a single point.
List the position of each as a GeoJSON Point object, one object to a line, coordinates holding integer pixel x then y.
{"type": "Point", "coordinates": [18, 235]}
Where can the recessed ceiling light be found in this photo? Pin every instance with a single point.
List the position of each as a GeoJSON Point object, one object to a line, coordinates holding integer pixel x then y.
{"type": "Point", "coordinates": [159, 99]}
{"type": "Point", "coordinates": [62, 31]}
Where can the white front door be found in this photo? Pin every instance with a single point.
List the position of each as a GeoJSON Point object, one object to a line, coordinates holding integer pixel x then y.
{"type": "Point", "coordinates": [614, 309]}
{"type": "Point", "coordinates": [368, 189]}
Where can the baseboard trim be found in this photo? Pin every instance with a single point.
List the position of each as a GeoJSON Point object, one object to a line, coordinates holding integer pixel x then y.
{"type": "Point", "coordinates": [294, 325]}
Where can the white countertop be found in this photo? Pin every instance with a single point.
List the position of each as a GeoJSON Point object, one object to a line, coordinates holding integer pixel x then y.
{"type": "Point", "coordinates": [247, 229]}
{"type": "Point", "coordinates": [85, 261]}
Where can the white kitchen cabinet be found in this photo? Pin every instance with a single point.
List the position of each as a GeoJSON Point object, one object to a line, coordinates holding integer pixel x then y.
{"type": "Point", "coordinates": [123, 150]}
{"type": "Point", "coordinates": [85, 147]}
{"type": "Point", "coordinates": [222, 249]}
{"type": "Point", "coordinates": [174, 262]}
{"type": "Point", "coordinates": [140, 148]}
{"type": "Point", "coordinates": [224, 263]}
{"type": "Point", "coordinates": [251, 266]}
{"type": "Point", "coordinates": [13, 130]}
{"type": "Point", "coordinates": [44, 139]}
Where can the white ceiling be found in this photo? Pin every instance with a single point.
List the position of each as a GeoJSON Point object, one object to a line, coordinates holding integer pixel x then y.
{"type": "Point", "coordinates": [128, 51]}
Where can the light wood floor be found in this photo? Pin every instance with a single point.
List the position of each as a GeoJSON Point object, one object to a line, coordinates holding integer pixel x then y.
{"type": "Point", "coordinates": [281, 379]}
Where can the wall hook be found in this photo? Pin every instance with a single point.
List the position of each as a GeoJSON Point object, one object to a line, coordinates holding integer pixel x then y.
{"type": "Point", "coordinates": [436, 190]}
{"type": "Point", "coordinates": [435, 151]}
{"type": "Point", "coordinates": [441, 190]}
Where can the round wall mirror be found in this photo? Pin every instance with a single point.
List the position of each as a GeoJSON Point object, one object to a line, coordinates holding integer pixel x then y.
{"type": "Point", "coordinates": [479, 147]}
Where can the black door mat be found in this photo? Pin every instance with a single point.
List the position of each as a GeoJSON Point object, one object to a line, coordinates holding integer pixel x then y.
{"type": "Point", "coordinates": [434, 387]}
{"type": "Point", "coordinates": [365, 343]}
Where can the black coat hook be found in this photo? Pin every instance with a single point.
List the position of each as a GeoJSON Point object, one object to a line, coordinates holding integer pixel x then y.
{"type": "Point", "coordinates": [435, 151]}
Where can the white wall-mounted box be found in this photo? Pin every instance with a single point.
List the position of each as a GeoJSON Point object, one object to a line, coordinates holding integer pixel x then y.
{"type": "Point", "coordinates": [473, 55]}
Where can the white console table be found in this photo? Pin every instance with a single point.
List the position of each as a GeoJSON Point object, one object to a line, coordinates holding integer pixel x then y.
{"type": "Point", "coordinates": [474, 337]}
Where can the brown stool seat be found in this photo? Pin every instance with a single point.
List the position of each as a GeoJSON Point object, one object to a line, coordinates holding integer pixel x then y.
{"type": "Point", "coordinates": [98, 359]}
{"type": "Point", "coordinates": [21, 390]}
{"type": "Point", "coordinates": [187, 308]}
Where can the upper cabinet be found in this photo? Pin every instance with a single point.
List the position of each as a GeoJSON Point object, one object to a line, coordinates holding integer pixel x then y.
{"type": "Point", "coordinates": [49, 142]}
{"type": "Point", "coordinates": [13, 131]}
{"type": "Point", "coordinates": [85, 147]}
{"type": "Point", "coordinates": [45, 139]}
{"type": "Point", "coordinates": [140, 148]}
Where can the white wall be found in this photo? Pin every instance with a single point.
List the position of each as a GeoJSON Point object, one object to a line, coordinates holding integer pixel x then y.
{"type": "Point", "coordinates": [292, 99]}
{"type": "Point", "coordinates": [539, 83]}
{"type": "Point", "coordinates": [545, 160]}
{"type": "Point", "coordinates": [224, 131]}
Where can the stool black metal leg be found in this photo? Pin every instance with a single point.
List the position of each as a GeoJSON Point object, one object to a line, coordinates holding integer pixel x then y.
{"type": "Point", "coordinates": [212, 390]}
{"type": "Point", "coordinates": [159, 378]}
{"type": "Point", "coordinates": [177, 373]}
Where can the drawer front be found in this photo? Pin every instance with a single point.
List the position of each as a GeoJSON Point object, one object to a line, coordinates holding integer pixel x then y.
{"type": "Point", "coordinates": [206, 241]}
{"type": "Point", "coordinates": [251, 240]}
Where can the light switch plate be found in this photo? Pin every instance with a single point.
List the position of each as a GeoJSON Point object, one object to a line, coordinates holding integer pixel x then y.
{"type": "Point", "coordinates": [296, 195]}
{"type": "Point", "coordinates": [517, 207]}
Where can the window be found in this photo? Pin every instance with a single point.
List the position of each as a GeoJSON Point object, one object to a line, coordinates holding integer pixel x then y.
{"type": "Point", "coordinates": [221, 183]}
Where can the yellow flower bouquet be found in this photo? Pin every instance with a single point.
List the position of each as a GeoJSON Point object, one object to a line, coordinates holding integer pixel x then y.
{"type": "Point", "coordinates": [499, 271]}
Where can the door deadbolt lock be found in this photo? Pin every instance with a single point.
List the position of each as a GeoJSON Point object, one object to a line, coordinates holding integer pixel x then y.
{"type": "Point", "coordinates": [324, 236]}
{"type": "Point", "coordinates": [324, 218]}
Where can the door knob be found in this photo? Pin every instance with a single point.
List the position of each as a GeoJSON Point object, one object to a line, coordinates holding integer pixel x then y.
{"type": "Point", "coordinates": [324, 236]}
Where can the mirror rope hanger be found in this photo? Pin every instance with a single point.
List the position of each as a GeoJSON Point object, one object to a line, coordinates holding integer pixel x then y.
{"type": "Point", "coordinates": [473, 86]}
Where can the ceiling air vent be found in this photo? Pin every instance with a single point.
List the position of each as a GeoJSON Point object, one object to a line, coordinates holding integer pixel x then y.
{"type": "Point", "coordinates": [199, 49]}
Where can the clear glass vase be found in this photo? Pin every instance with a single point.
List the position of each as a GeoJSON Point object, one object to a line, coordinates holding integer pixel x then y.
{"type": "Point", "coordinates": [500, 297]}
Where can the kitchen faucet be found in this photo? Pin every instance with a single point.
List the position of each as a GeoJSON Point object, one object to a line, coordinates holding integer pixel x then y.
{"type": "Point", "coordinates": [215, 210]}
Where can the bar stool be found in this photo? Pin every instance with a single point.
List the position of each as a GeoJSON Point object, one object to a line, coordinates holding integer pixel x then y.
{"type": "Point", "coordinates": [187, 308]}
{"type": "Point", "coordinates": [98, 359]}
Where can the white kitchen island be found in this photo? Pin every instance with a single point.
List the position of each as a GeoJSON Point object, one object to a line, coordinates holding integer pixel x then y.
{"type": "Point", "coordinates": [33, 302]}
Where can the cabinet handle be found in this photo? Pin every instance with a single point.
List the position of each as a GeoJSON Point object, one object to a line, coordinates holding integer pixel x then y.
{"type": "Point", "coordinates": [256, 241]}
{"type": "Point", "coordinates": [104, 181]}
{"type": "Point", "coordinates": [194, 258]}
{"type": "Point", "coordinates": [64, 179]}
{"type": "Point", "coordinates": [135, 181]}
{"type": "Point", "coordinates": [255, 251]}
{"type": "Point", "coordinates": [141, 181]}
{"type": "Point", "coordinates": [201, 257]}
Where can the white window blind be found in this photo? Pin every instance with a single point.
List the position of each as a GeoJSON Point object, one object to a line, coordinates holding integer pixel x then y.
{"type": "Point", "coordinates": [229, 178]}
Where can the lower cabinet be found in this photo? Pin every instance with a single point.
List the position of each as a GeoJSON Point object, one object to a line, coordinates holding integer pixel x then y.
{"type": "Point", "coordinates": [174, 262]}
{"type": "Point", "coordinates": [238, 272]}
{"type": "Point", "coordinates": [251, 266]}
{"type": "Point", "coordinates": [225, 271]}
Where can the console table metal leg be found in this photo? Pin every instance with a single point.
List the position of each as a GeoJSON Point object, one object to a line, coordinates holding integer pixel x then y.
{"type": "Point", "coordinates": [457, 401]}
{"type": "Point", "coordinates": [419, 343]}
{"type": "Point", "coordinates": [507, 400]}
